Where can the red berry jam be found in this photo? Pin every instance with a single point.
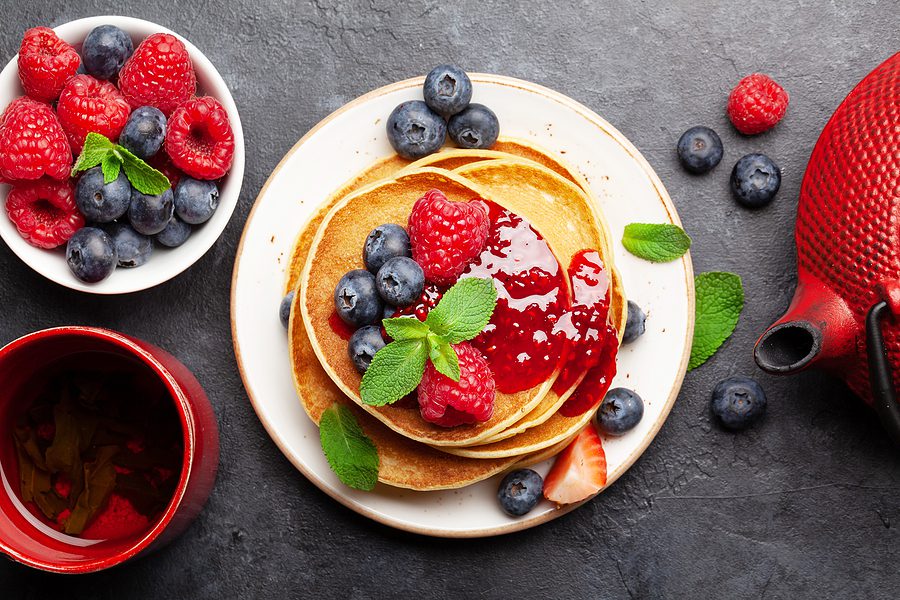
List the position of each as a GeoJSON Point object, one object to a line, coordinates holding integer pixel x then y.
{"type": "Point", "coordinates": [429, 299]}
{"type": "Point", "coordinates": [337, 324]}
{"type": "Point", "coordinates": [590, 392]}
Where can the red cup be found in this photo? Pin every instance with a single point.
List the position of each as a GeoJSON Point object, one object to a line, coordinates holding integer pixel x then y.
{"type": "Point", "coordinates": [26, 359]}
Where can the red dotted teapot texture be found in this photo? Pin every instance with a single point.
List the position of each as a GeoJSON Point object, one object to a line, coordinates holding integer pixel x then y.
{"type": "Point", "coordinates": [845, 315]}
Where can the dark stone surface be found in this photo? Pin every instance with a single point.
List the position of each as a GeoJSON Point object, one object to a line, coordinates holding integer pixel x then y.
{"type": "Point", "coordinates": [806, 504]}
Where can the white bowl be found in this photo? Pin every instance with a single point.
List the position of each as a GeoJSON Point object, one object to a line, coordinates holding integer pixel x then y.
{"type": "Point", "coordinates": [165, 263]}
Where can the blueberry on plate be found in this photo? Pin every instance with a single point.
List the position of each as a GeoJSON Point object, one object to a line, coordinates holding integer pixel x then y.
{"type": "Point", "coordinates": [520, 491]}
{"type": "Point", "coordinates": [102, 202]}
{"type": "Point", "coordinates": [175, 234]}
{"type": "Point", "coordinates": [91, 254]}
{"type": "Point", "coordinates": [196, 200]}
{"type": "Point", "coordinates": [414, 130]}
{"type": "Point", "coordinates": [699, 149]}
{"type": "Point", "coordinates": [363, 345]}
{"type": "Point", "coordinates": [144, 132]}
{"type": "Point", "coordinates": [635, 324]}
{"type": "Point", "coordinates": [475, 127]}
{"type": "Point", "coordinates": [755, 180]}
{"type": "Point", "coordinates": [383, 243]}
{"type": "Point", "coordinates": [284, 310]}
{"type": "Point", "coordinates": [738, 401]}
{"type": "Point", "coordinates": [400, 281]}
{"type": "Point", "coordinates": [151, 214]}
{"type": "Point", "coordinates": [356, 300]}
{"type": "Point", "coordinates": [447, 90]}
{"type": "Point", "coordinates": [132, 248]}
{"type": "Point", "coordinates": [620, 411]}
{"type": "Point", "coordinates": [105, 50]}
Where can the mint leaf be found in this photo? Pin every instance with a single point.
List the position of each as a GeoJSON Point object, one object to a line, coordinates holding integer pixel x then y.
{"type": "Point", "coordinates": [656, 242]}
{"type": "Point", "coordinates": [405, 328]}
{"type": "Point", "coordinates": [719, 300]}
{"type": "Point", "coordinates": [110, 165]}
{"type": "Point", "coordinates": [464, 310]}
{"type": "Point", "coordinates": [96, 148]}
{"type": "Point", "coordinates": [350, 453]}
{"type": "Point", "coordinates": [142, 176]}
{"type": "Point", "coordinates": [443, 356]}
{"type": "Point", "coordinates": [395, 371]}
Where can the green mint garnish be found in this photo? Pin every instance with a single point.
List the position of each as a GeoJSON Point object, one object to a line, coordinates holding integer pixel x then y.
{"type": "Point", "coordinates": [397, 368]}
{"type": "Point", "coordinates": [349, 451]}
{"type": "Point", "coordinates": [719, 301]}
{"type": "Point", "coordinates": [98, 150]}
{"type": "Point", "coordinates": [656, 242]}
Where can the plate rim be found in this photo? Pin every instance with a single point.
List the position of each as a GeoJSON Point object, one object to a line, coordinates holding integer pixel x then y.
{"type": "Point", "coordinates": [671, 211]}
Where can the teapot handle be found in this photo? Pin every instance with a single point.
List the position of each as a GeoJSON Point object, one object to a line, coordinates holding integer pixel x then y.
{"type": "Point", "coordinates": [884, 398]}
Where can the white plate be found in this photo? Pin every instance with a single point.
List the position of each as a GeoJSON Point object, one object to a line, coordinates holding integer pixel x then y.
{"type": "Point", "coordinates": [165, 263]}
{"type": "Point", "coordinates": [351, 139]}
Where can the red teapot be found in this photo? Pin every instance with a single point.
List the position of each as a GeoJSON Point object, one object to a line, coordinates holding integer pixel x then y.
{"type": "Point", "coordinates": [845, 315]}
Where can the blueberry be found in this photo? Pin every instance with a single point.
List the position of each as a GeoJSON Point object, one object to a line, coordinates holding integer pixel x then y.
{"type": "Point", "coordinates": [699, 149]}
{"type": "Point", "coordinates": [738, 402]}
{"type": "Point", "coordinates": [414, 130]}
{"type": "Point", "coordinates": [102, 202]}
{"type": "Point", "coordinates": [635, 324]}
{"type": "Point", "coordinates": [196, 200]}
{"type": "Point", "coordinates": [363, 345]}
{"type": "Point", "coordinates": [385, 242]}
{"type": "Point", "coordinates": [356, 300]}
{"type": "Point", "coordinates": [91, 254]}
{"type": "Point", "coordinates": [447, 90]}
{"type": "Point", "coordinates": [400, 281]}
{"type": "Point", "coordinates": [132, 248]}
{"type": "Point", "coordinates": [755, 180]}
{"type": "Point", "coordinates": [284, 311]}
{"type": "Point", "coordinates": [105, 50]}
{"type": "Point", "coordinates": [144, 132]}
{"type": "Point", "coordinates": [620, 411]}
{"type": "Point", "coordinates": [520, 491]}
{"type": "Point", "coordinates": [389, 311]}
{"type": "Point", "coordinates": [150, 214]}
{"type": "Point", "coordinates": [475, 127]}
{"type": "Point", "coordinates": [175, 234]}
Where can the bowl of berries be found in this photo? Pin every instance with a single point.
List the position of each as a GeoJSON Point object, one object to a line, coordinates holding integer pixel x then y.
{"type": "Point", "coordinates": [120, 147]}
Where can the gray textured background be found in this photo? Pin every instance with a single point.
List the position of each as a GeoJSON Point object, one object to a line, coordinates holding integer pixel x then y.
{"type": "Point", "coordinates": [807, 504]}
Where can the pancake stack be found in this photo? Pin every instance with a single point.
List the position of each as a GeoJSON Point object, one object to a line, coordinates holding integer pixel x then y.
{"type": "Point", "coordinates": [526, 426]}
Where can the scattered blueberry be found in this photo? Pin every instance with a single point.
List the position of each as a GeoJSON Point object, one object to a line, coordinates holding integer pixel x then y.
{"type": "Point", "coordinates": [102, 202]}
{"type": "Point", "coordinates": [91, 254]}
{"type": "Point", "coordinates": [475, 127]}
{"type": "Point", "coordinates": [414, 130]}
{"type": "Point", "coordinates": [400, 281]}
{"type": "Point", "coordinates": [356, 300]}
{"type": "Point", "coordinates": [738, 402]}
{"type": "Point", "coordinates": [635, 324]}
{"type": "Point", "coordinates": [284, 311]}
{"type": "Point", "coordinates": [196, 200]}
{"type": "Point", "coordinates": [151, 214]}
{"type": "Point", "coordinates": [363, 345]}
{"type": "Point", "coordinates": [447, 90]}
{"type": "Point", "coordinates": [755, 180]}
{"type": "Point", "coordinates": [105, 50]}
{"type": "Point", "coordinates": [520, 491]}
{"type": "Point", "coordinates": [175, 234]}
{"type": "Point", "coordinates": [132, 248]}
{"type": "Point", "coordinates": [699, 149]}
{"type": "Point", "coordinates": [144, 132]}
{"type": "Point", "coordinates": [385, 242]}
{"type": "Point", "coordinates": [620, 411]}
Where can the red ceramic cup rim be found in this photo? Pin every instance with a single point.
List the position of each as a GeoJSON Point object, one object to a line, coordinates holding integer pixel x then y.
{"type": "Point", "coordinates": [182, 406]}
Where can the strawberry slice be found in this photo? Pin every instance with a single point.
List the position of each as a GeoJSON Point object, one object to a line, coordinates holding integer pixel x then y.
{"type": "Point", "coordinates": [579, 471]}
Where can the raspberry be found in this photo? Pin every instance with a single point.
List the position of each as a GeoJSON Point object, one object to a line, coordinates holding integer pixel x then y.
{"type": "Point", "coordinates": [44, 212]}
{"type": "Point", "coordinates": [199, 139]}
{"type": "Point", "coordinates": [90, 105]}
{"type": "Point", "coordinates": [159, 73]}
{"type": "Point", "coordinates": [32, 142]}
{"type": "Point", "coordinates": [46, 63]}
{"type": "Point", "coordinates": [446, 235]}
{"type": "Point", "coordinates": [448, 403]}
{"type": "Point", "coordinates": [162, 163]}
{"type": "Point", "coordinates": [757, 104]}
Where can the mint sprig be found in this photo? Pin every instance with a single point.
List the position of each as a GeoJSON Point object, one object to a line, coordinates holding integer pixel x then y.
{"type": "Point", "coordinates": [719, 302]}
{"type": "Point", "coordinates": [656, 242]}
{"type": "Point", "coordinates": [98, 150]}
{"type": "Point", "coordinates": [463, 312]}
{"type": "Point", "coordinates": [349, 451]}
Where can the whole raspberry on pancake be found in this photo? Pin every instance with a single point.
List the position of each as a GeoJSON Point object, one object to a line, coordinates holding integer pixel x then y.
{"type": "Point", "coordinates": [448, 403]}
